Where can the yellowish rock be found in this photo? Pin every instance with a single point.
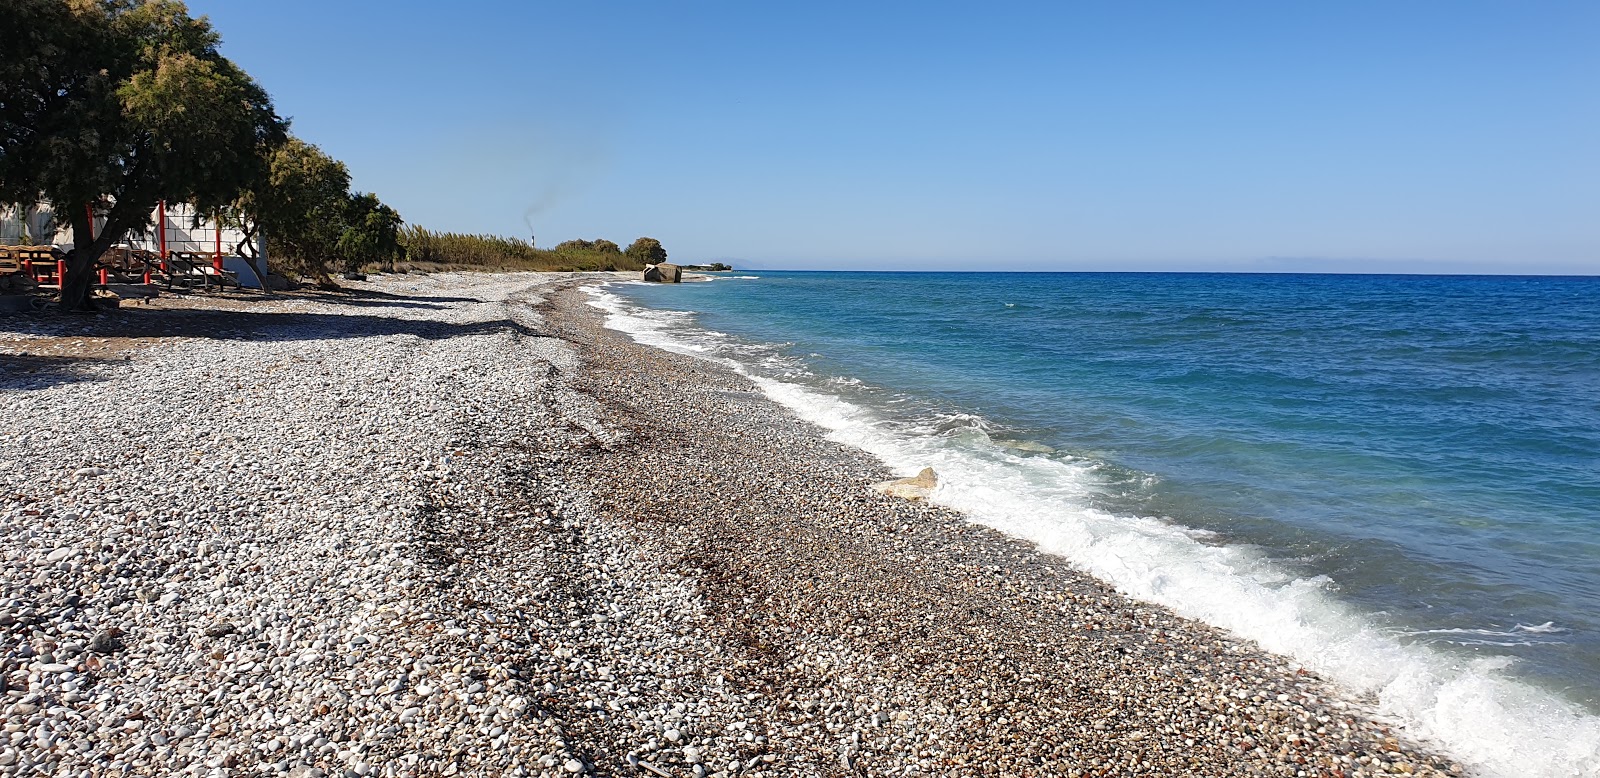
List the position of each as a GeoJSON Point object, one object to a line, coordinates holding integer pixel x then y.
{"type": "Point", "coordinates": [917, 488]}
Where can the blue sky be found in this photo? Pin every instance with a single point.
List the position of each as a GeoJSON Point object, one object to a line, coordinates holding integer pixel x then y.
{"type": "Point", "coordinates": [1351, 136]}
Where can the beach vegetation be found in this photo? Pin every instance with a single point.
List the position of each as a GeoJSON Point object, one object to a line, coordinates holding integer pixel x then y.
{"type": "Point", "coordinates": [108, 107]}
{"type": "Point", "coordinates": [302, 204]}
{"type": "Point", "coordinates": [580, 246]}
{"type": "Point", "coordinates": [371, 235]}
{"type": "Point", "coordinates": [647, 251]}
{"type": "Point", "coordinates": [429, 251]}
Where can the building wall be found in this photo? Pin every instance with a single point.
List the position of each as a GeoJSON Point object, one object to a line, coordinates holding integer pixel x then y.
{"type": "Point", "coordinates": [184, 231]}
{"type": "Point", "coordinates": [36, 222]}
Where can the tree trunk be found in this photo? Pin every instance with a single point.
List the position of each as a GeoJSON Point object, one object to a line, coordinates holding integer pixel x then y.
{"type": "Point", "coordinates": [85, 255]}
{"type": "Point", "coordinates": [247, 249]}
{"type": "Point", "coordinates": [75, 285]}
{"type": "Point", "coordinates": [261, 276]}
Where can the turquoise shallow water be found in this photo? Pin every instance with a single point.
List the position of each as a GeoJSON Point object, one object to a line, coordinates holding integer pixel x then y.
{"type": "Point", "coordinates": [1423, 451]}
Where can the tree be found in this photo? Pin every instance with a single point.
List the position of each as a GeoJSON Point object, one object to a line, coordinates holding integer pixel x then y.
{"type": "Point", "coordinates": [109, 106]}
{"type": "Point", "coordinates": [372, 234]}
{"type": "Point", "coordinates": [233, 218]}
{"type": "Point", "coordinates": [574, 246]}
{"type": "Point", "coordinates": [579, 246]}
{"type": "Point", "coordinates": [647, 250]}
{"type": "Point", "coordinates": [302, 204]}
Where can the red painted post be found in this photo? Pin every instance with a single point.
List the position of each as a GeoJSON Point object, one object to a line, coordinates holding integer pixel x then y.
{"type": "Point", "coordinates": [104, 279]}
{"type": "Point", "coordinates": [161, 235]}
{"type": "Point", "coordinates": [61, 272]}
{"type": "Point", "coordinates": [216, 261]}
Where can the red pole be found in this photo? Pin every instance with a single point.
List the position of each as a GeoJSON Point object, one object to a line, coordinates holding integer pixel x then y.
{"type": "Point", "coordinates": [216, 261]}
{"type": "Point", "coordinates": [88, 209]}
{"type": "Point", "coordinates": [61, 272]}
{"type": "Point", "coordinates": [161, 235]}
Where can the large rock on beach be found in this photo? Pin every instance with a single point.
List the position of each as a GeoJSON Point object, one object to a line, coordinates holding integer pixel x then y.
{"type": "Point", "coordinates": [916, 488]}
{"type": "Point", "coordinates": [664, 273]}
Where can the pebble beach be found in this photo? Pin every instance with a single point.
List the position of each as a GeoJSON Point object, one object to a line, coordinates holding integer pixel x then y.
{"type": "Point", "coordinates": [452, 525]}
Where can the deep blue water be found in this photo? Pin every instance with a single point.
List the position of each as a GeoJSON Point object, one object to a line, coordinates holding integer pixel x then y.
{"type": "Point", "coordinates": [1422, 451]}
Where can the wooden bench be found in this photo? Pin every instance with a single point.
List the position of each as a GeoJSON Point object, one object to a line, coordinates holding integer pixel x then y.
{"type": "Point", "coordinates": [39, 262]}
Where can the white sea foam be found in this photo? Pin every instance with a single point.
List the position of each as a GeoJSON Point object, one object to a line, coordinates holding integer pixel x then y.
{"type": "Point", "coordinates": [1519, 635]}
{"type": "Point", "coordinates": [1469, 708]}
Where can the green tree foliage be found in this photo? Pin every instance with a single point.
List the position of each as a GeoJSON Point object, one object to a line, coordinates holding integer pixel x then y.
{"type": "Point", "coordinates": [647, 251]}
{"type": "Point", "coordinates": [454, 251]}
{"type": "Point", "coordinates": [303, 205]}
{"type": "Point", "coordinates": [580, 246]}
{"type": "Point", "coordinates": [110, 106]}
{"type": "Point", "coordinates": [371, 235]}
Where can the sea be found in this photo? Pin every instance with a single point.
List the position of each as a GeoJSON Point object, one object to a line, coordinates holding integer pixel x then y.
{"type": "Point", "coordinates": [1394, 480]}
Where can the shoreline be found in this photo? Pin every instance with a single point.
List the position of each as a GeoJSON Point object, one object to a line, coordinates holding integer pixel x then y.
{"type": "Point", "coordinates": [462, 528]}
{"type": "Point", "coordinates": [1499, 711]}
{"type": "Point", "coordinates": [971, 580]}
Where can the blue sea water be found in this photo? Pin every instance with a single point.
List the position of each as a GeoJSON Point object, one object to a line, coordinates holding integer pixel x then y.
{"type": "Point", "coordinates": [1393, 479]}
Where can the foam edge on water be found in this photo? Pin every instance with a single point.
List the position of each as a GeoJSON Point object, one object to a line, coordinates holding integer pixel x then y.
{"type": "Point", "coordinates": [1468, 709]}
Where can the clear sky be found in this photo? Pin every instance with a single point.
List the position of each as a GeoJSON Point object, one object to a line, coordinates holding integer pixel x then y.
{"type": "Point", "coordinates": [1410, 136]}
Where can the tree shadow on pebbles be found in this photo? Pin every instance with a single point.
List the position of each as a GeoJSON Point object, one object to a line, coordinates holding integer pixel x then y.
{"type": "Point", "coordinates": [69, 356]}
{"type": "Point", "coordinates": [372, 298]}
{"type": "Point", "coordinates": [262, 326]}
{"type": "Point", "coordinates": [30, 371]}
{"type": "Point", "coordinates": [155, 325]}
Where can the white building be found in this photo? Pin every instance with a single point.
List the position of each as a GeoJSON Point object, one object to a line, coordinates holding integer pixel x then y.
{"type": "Point", "coordinates": [174, 228]}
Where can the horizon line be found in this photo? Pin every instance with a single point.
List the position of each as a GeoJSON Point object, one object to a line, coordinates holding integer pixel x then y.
{"type": "Point", "coordinates": [1595, 274]}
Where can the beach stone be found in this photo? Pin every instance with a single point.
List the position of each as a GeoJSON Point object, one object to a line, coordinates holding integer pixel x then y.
{"type": "Point", "coordinates": [917, 487]}
{"type": "Point", "coordinates": [105, 641]}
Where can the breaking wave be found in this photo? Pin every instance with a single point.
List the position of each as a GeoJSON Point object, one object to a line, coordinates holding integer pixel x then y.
{"type": "Point", "coordinates": [1468, 707]}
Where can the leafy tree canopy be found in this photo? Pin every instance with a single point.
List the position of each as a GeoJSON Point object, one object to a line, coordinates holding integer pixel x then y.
{"type": "Point", "coordinates": [372, 234]}
{"type": "Point", "coordinates": [600, 245]}
{"type": "Point", "coordinates": [114, 105]}
{"type": "Point", "coordinates": [302, 204]}
{"type": "Point", "coordinates": [647, 250]}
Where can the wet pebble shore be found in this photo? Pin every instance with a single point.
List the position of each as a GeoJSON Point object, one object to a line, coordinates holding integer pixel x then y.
{"type": "Point", "coordinates": [456, 527]}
